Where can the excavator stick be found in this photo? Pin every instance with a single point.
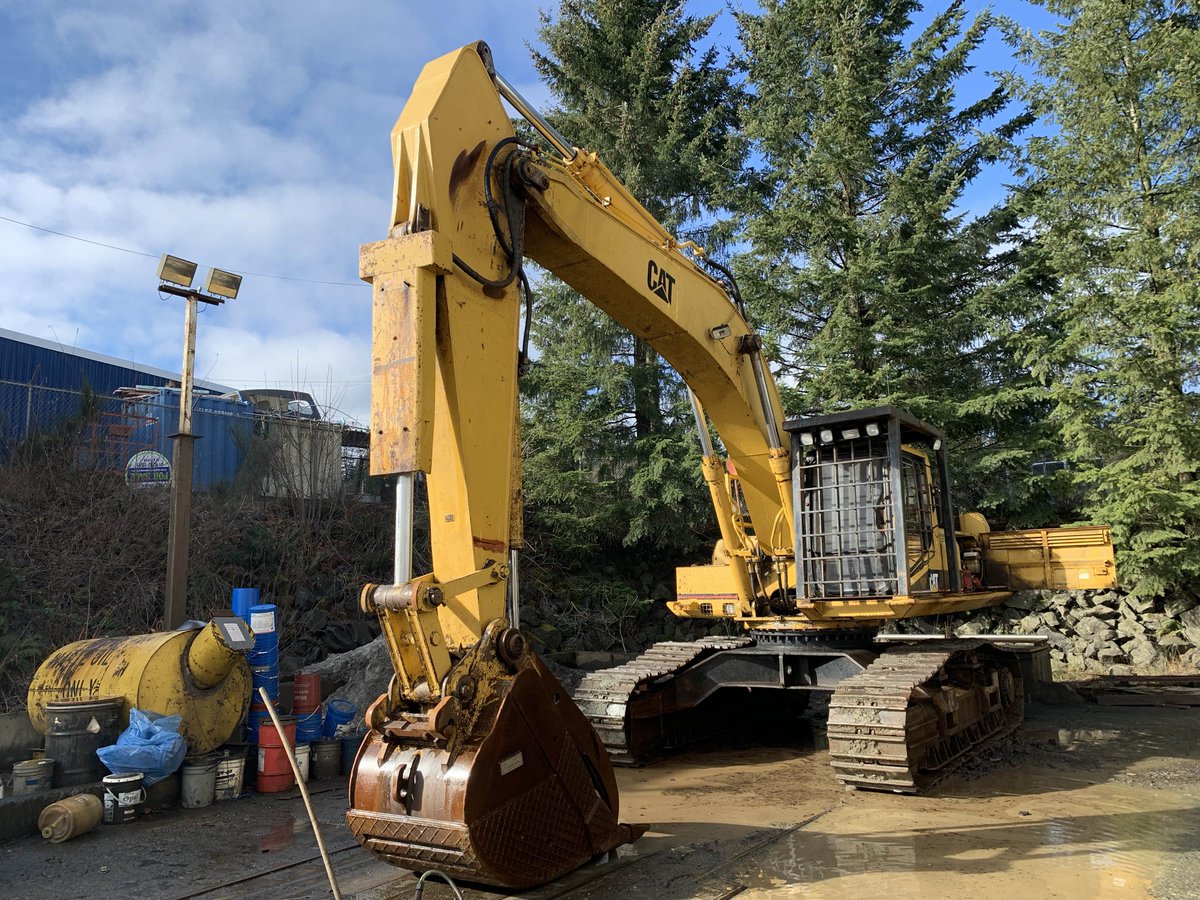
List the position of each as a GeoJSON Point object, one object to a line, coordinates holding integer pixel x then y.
{"type": "Point", "coordinates": [529, 796]}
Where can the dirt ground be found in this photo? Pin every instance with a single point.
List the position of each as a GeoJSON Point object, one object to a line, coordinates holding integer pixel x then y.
{"type": "Point", "coordinates": [1090, 801]}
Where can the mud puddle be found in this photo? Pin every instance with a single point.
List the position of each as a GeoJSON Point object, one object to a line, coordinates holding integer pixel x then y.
{"type": "Point", "coordinates": [1017, 837]}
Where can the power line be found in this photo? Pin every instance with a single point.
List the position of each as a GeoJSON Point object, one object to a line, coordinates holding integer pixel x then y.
{"type": "Point", "coordinates": [311, 382]}
{"type": "Point", "coordinates": [75, 237]}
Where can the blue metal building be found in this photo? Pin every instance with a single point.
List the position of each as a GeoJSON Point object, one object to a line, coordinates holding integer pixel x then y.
{"type": "Point", "coordinates": [48, 389]}
{"type": "Point", "coordinates": [25, 359]}
{"type": "Point", "coordinates": [106, 410]}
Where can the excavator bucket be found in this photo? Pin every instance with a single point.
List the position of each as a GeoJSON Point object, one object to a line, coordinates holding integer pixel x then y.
{"type": "Point", "coordinates": [532, 798]}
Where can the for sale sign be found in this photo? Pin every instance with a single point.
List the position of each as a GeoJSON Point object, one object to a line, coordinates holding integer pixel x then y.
{"type": "Point", "coordinates": [148, 468]}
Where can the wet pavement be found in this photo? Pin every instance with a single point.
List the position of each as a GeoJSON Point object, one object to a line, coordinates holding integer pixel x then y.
{"type": "Point", "coordinates": [1092, 802]}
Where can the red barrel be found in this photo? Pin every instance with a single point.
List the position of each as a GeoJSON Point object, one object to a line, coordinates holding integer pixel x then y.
{"type": "Point", "coordinates": [306, 694]}
{"type": "Point", "coordinates": [274, 771]}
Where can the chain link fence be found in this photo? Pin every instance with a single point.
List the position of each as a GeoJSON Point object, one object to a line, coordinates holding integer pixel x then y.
{"type": "Point", "coordinates": [237, 447]}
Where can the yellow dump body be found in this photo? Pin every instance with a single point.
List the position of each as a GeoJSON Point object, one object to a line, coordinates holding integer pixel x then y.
{"type": "Point", "coordinates": [165, 672]}
{"type": "Point", "coordinates": [1049, 558]}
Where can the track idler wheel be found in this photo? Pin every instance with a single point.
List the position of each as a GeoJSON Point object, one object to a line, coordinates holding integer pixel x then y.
{"type": "Point", "coordinates": [531, 799]}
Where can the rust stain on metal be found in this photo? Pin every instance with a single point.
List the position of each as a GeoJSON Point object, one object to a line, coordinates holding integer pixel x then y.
{"type": "Point", "coordinates": [505, 810]}
{"type": "Point", "coordinates": [463, 166]}
{"type": "Point", "coordinates": [487, 544]}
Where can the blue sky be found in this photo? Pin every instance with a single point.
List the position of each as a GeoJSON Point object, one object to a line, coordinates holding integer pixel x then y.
{"type": "Point", "coordinates": [242, 134]}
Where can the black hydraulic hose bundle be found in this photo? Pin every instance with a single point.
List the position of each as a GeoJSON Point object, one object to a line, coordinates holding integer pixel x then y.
{"type": "Point", "coordinates": [731, 283]}
{"type": "Point", "coordinates": [514, 217]}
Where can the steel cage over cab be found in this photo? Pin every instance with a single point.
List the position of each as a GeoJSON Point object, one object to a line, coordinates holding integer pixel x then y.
{"type": "Point", "coordinates": [871, 490]}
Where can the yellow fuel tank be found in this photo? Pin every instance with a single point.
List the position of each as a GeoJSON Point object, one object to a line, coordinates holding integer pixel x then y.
{"type": "Point", "coordinates": [189, 673]}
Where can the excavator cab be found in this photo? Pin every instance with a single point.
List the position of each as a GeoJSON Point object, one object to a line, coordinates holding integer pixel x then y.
{"type": "Point", "coordinates": [875, 520]}
{"type": "Point", "coordinates": [877, 538]}
{"type": "Point", "coordinates": [872, 499]}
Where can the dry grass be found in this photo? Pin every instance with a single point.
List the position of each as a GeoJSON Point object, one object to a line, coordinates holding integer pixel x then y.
{"type": "Point", "coordinates": [82, 555]}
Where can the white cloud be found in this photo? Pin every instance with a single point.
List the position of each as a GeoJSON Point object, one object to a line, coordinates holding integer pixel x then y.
{"type": "Point", "coordinates": [244, 135]}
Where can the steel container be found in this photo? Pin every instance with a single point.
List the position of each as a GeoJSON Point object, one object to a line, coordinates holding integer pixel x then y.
{"type": "Point", "coordinates": [189, 673]}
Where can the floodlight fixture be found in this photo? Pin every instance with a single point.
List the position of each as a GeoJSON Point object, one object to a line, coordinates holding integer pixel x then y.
{"type": "Point", "coordinates": [220, 283]}
{"type": "Point", "coordinates": [176, 270]}
{"type": "Point", "coordinates": [720, 332]}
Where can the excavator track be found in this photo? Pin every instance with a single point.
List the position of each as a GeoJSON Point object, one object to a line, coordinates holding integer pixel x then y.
{"type": "Point", "coordinates": [918, 712]}
{"type": "Point", "coordinates": [605, 697]}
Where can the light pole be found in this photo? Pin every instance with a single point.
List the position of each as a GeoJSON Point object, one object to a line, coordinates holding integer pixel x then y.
{"type": "Point", "coordinates": [175, 277]}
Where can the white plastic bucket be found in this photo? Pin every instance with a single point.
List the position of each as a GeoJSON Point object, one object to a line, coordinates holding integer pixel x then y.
{"type": "Point", "coordinates": [32, 776]}
{"type": "Point", "coordinates": [231, 771]}
{"type": "Point", "coordinates": [199, 782]}
{"type": "Point", "coordinates": [303, 755]}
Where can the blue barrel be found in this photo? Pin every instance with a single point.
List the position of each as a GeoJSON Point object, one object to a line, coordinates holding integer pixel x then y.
{"type": "Point", "coordinates": [264, 624]}
{"type": "Point", "coordinates": [266, 677]}
{"type": "Point", "coordinates": [243, 598]}
{"type": "Point", "coordinates": [308, 728]}
{"type": "Point", "coordinates": [266, 643]}
{"type": "Point", "coordinates": [253, 719]}
{"type": "Point", "coordinates": [350, 745]}
{"type": "Point", "coordinates": [337, 712]}
{"type": "Point", "coordinates": [263, 657]}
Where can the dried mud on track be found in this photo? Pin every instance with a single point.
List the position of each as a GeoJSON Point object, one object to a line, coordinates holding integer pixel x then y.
{"type": "Point", "coordinates": [1090, 802]}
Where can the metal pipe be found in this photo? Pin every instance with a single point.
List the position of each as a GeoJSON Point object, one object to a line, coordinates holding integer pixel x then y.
{"type": "Point", "coordinates": [896, 505]}
{"type": "Point", "coordinates": [209, 660]}
{"type": "Point", "coordinates": [189, 364]}
{"type": "Point", "coordinates": [995, 638]}
{"type": "Point", "coordinates": [534, 118]}
{"type": "Point", "coordinates": [402, 564]}
{"type": "Point", "coordinates": [706, 447]}
{"type": "Point", "coordinates": [514, 589]}
{"type": "Point", "coordinates": [764, 397]}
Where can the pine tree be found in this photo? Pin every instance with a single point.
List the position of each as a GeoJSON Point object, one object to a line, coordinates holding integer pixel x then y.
{"type": "Point", "coordinates": [610, 457]}
{"type": "Point", "coordinates": [1113, 193]}
{"type": "Point", "coordinates": [872, 286]}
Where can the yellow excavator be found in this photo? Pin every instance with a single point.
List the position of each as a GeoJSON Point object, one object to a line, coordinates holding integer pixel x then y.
{"type": "Point", "coordinates": [478, 763]}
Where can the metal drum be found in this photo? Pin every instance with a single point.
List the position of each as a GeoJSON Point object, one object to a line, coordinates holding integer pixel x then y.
{"type": "Point", "coordinates": [189, 673]}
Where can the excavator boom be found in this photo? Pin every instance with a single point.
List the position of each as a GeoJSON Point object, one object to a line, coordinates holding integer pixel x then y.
{"type": "Point", "coordinates": [477, 762]}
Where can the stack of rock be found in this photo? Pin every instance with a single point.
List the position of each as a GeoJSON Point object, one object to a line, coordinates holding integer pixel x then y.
{"type": "Point", "coordinates": [1094, 631]}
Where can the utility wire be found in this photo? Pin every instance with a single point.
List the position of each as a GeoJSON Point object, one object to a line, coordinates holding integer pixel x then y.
{"type": "Point", "coordinates": [75, 237]}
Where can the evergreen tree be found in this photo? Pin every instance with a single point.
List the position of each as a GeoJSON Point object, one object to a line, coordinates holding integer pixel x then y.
{"type": "Point", "coordinates": [872, 286]}
{"type": "Point", "coordinates": [1114, 197]}
{"type": "Point", "coordinates": [610, 457]}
